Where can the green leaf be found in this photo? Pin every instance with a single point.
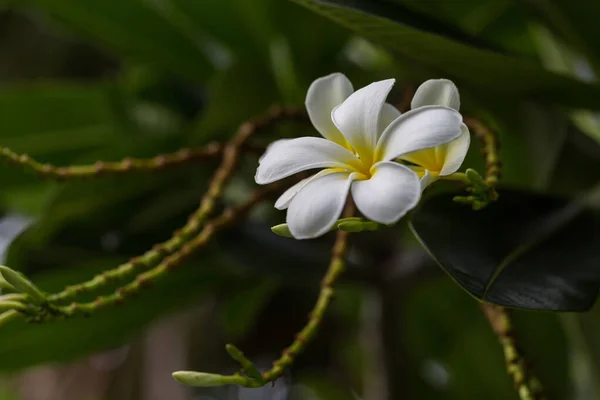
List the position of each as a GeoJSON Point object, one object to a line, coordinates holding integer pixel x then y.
{"type": "Point", "coordinates": [385, 24]}
{"type": "Point", "coordinates": [558, 57]}
{"type": "Point", "coordinates": [136, 29]}
{"type": "Point", "coordinates": [576, 24]}
{"type": "Point", "coordinates": [56, 122]}
{"type": "Point", "coordinates": [56, 117]}
{"type": "Point", "coordinates": [525, 250]}
{"type": "Point", "coordinates": [455, 354]}
{"type": "Point", "coordinates": [582, 332]}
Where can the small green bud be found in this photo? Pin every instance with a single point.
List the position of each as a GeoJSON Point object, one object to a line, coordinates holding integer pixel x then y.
{"type": "Point", "coordinates": [474, 177]}
{"type": "Point", "coordinates": [22, 284]}
{"type": "Point", "coordinates": [5, 285]}
{"type": "Point", "coordinates": [358, 226]}
{"type": "Point", "coordinates": [202, 379]}
{"type": "Point", "coordinates": [191, 378]}
{"type": "Point", "coordinates": [11, 305]}
{"type": "Point", "coordinates": [8, 316]}
{"type": "Point", "coordinates": [282, 230]}
{"type": "Point", "coordinates": [20, 297]}
{"type": "Point", "coordinates": [247, 366]}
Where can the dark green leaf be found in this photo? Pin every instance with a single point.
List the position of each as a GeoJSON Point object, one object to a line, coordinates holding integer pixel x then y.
{"type": "Point", "coordinates": [383, 23]}
{"type": "Point", "coordinates": [137, 29]}
{"type": "Point", "coordinates": [55, 122]}
{"type": "Point", "coordinates": [526, 250]}
{"type": "Point", "coordinates": [577, 23]}
{"type": "Point", "coordinates": [456, 355]}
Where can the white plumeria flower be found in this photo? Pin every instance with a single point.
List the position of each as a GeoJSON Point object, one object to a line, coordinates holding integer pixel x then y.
{"type": "Point", "coordinates": [362, 135]}
{"type": "Point", "coordinates": [447, 158]}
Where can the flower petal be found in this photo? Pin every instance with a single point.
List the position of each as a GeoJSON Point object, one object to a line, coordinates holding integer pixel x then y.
{"type": "Point", "coordinates": [316, 207]}
{"type": "Point", "coordinates": [289, 156]}
{"type": "Point", "coordinates": [436, 92]}
{"type": "Point", "coordinates": [284, 200]}
{"type": "Point", "coordinates": [425, 158]}
{"type": "Point", "coordinates": [418, 129]}
{"type": "Point", "coordinates": [390, 193]}
{"type": "Point", "coordinates": [427, 179]}
{"type": "Point", "coordinates": [456, 151]}
{"type": "Point", "coordinates": [388, 114]}
{"type": "Point", "coordinates": [323, 95]}
{"type": "Point", "coordinates": [358, 117]}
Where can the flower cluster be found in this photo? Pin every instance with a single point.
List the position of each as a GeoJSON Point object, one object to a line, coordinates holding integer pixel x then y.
{"type": "Point", "coordinates": [384, 158]}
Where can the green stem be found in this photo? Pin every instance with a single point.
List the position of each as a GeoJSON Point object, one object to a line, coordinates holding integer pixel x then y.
{"type": "Point", "coordinates": [526, 383]}
{"type": "Point", "coordinates": [102, 167]}
{"type": "Point", "coordinates": [336, 268]}
{"type": "Point", "coordinates": [222, 175]}
{"type": "Point", "coordinates": [490, 149]}
{"type": "Point", "coordinates": [171, 262]}
{"type": "Point", "coordinates": [457, 176]}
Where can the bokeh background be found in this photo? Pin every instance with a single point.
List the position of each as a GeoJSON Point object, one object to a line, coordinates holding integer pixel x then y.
{"type": "Point", "coordinates": [88, 80]}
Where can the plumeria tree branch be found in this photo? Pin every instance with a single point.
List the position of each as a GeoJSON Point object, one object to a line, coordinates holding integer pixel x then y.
{"type": "Point", "coordinates": [40, 306]}
{"type": "Point", "coordinates": [171, 262]}
{"type": "Point", "coordinates": [160, 162]}
{"type": "Point", "coordinates": [249, 378]}
{"type": "Point", "coordinates": [48, 310]}
{"type": "Point", "coordinates": [526, 383]}
{"type": "Point", "coordinates": [220, 178]}
{"type": "Point", "coordinates": [101, 168]}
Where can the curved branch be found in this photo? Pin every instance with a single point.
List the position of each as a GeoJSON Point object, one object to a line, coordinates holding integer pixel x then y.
{"type": "Point", "coordinates": [179, 238]}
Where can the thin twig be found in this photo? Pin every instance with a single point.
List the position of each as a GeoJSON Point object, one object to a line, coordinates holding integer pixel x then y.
{"type": "Point", "coordinates": [101, 168]}
{"type": "Point", "coordinates": [221, 176]}
{"type": "Point", "coordinates": [490, 149]}
{"type": "Point", "coordinates": [253, 378]}
{"type": "Point", "coordinates": [171, 262]}
{"type": "Point", "coordinates": [526, 383]}
{"type": "Point", "coordinates": [336, 268]}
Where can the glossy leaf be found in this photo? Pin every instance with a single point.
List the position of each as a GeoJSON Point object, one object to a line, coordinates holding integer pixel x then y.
{"type": "Point", "coordinates": [383, 23]}
{"type": "Point", "coordinates": [526, 250]}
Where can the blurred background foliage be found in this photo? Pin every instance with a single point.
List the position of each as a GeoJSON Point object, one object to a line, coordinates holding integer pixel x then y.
{"type": "Point", "coordinates": [87, 80]}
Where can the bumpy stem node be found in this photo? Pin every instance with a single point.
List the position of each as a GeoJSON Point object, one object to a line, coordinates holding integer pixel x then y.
{"type": "Point", "coordinates": [482, 190]}
{"type": "Point", "coordinates": [102, 168]}
{"type": "Point", "coordinates": [231, 152]}
{"type": "Point", "coordinates": [526, 383]}
{"type": "Point", "coordinates": [252, 380]}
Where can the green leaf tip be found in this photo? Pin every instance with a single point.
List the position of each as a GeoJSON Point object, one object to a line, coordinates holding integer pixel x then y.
{"type": "Point", "coordinates": [22, 284]}
{"type": "Point", "coordinates": [282, 230]}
